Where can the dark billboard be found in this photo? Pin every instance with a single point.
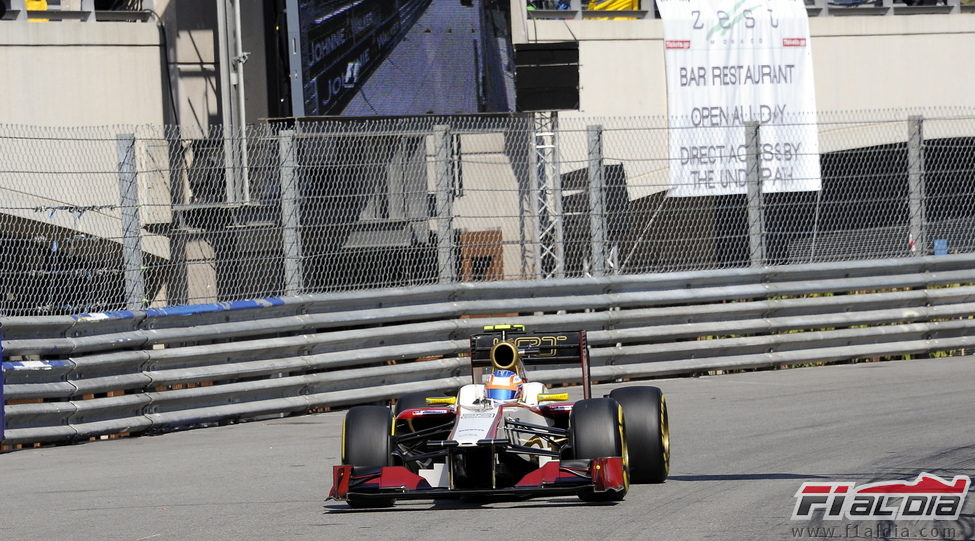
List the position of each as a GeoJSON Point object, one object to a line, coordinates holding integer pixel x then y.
{"type": "Point", "coordinates": [399, 57]}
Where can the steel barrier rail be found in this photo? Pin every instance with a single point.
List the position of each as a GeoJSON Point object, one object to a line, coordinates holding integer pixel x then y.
{"type": "Point", "coordinates": [129, 372]}
{"type": "Point", "coordinates": [15, 346]}
{"type": "Point", "coordinates": [184, 318]}
{"type": "Point", "coordinates": [180, 365]}
{"type": "Point", "coordinates": [581, 301]}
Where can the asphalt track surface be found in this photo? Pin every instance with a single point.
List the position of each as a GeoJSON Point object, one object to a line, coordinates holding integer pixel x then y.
{"type": "Point", "coordinates": [741, 447]}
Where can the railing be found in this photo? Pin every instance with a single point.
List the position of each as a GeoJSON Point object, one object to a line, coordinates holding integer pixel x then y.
{"type": "Point", "coordinates": [79, 377]}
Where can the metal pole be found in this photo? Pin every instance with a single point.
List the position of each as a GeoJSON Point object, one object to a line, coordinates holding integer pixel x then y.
{"type": "Point", "coordinates": [226, 104]}
{"type": "Point", "coordinates": [755, 203]}
{"type": "Point", "coordinates": [536, 184]}
{"type": "Point", "coordinates": [555, 199]}
{"type": "Point", "coordinates": [135, 289]}
{"type": "Point", "coordinates": [597, 207]}
{"type": "Point", "coordinates": [290, 214]}
{"type": "Point", "coordinates": [294, 60]}
{"type": "Point", "coordinates": [915, 180]}
{"type": "Point", "coordinates": [548, 195]}
{"type": "Point", "coordinates": [241, 120]}
{"type": "Point", "coordinates": [526, 194]}
{"type": "Point", "coordinates": [444, 204]}
{"type": "Point", "coordinates": [815, 231]}
{"type": "Point", "coordinates": [177, 283]}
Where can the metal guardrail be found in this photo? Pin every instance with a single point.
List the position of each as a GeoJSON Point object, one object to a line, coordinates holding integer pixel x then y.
{"type": "Point", "coordinates": [128, 372]}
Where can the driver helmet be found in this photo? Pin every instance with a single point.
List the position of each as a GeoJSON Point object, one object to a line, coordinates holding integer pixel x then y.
{"type": "Point", "coordinates": [503, 386]}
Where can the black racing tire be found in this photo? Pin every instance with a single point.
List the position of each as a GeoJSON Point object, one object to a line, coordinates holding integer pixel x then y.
{"type": "Point", "coordinates": [366, 443]}
{"type": "Point", "coordinates": [596, 431]}
{"type": "Point", "coordinates": [413, 400]}
{"type": "Point", "coordinates": [647, 432]}
{"type": "Point", "coordinates": [365, 436]}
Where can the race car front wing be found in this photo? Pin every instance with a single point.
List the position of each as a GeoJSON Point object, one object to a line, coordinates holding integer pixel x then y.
{"type": "Point", "coordinates": [554, 478]}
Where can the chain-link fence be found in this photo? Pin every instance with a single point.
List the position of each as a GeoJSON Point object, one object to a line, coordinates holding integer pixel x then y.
{"type": "Point", "coordinates": [110, 218]}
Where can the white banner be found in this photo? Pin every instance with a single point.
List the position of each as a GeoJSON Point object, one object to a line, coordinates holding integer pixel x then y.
{"type": "Point", "coordinates": [729, 63]}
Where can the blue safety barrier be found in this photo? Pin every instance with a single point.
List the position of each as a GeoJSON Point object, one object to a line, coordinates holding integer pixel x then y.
{"type": "Point", "coordinates": [2, 422]}
{"type": "Point", "coordinates": [193, 309]}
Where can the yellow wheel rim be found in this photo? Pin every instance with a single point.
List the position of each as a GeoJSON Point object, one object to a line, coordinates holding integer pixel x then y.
{"type": "Point", "coordinates": [343, 442]}
{"type": "Point", "coordinates": [665, 434]}
{"type": "Point", "coordinates": [626, 451]}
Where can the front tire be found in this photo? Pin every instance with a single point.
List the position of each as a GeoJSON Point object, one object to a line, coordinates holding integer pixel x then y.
{"type": "Point", "coordinates": [366, 444]}
{"type": "Point", "coordinates": [596, 431]}
{"type": "Point", "coordinates": [647, 432]}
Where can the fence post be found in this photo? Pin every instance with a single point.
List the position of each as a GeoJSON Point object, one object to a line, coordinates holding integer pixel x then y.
{"type": "Point", "coordinates": [915, 180]}
{"type": "Point", "coordinates": [177, 281]}
{"type": "Point", "coordinates": [135, 288]}
{"type": "Point", "coordinates": [755, 203]}
{"type": "Point", "coordinates": [444, 204]}
{"type": "Point", "coordinates": [597, 207]}
{"type": "Point", "coordinates": [533, 210]}
{"type": "Point", "coordinates": [290, 214]}
{"type": "Point", "coordinates": [547, 194]}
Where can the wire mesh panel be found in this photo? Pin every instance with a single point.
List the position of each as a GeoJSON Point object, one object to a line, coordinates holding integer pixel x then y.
{"type": "Point", "coordinates": [130, 217]}
{"type": "Point", "coordinates": [949, 184]}
{"type": "Point", "coordinates": [60, 220]}
{"type": "Point", "coordinates": [410, 201]}
{"type": "Point", "coordinates": [221, 228]}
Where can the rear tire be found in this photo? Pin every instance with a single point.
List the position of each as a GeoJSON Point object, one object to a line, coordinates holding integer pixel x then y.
{"type": "Point", "coordinates": [647, 432]}
{"type": "Point", "coordinates": [596, 431]}
{"type": "Point", "coordinates": [366, 444]}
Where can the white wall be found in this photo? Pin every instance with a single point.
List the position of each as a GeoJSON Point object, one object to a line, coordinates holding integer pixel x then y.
{"type": "Point", "coordinates": [72, 73]}
{"type": "Point", "coordinates": [80, 74]}
{"type": "Point", "coordinates": [861, 62]}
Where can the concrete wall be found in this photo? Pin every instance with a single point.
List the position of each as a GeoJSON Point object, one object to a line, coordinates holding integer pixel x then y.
{"type": "Point", "coordinates": [72, 73]}
{"type": "Point", "coordinates": [861, 62]}
{"type": "Point", "coordinates": [193, 58]}
{"type": "Point", "coordinates": [77, 74]}
{"type": "Point", "coordinates": [80, 74]}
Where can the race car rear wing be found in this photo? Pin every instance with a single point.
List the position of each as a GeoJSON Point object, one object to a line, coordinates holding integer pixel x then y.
{"type": "Point", "coordinates": [504, 346]}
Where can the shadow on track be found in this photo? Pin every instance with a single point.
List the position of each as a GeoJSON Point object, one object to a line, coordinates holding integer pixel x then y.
{"type": "Point", "coordinates": [466, 504]}
{"type": "Point", "coordinates": [745, 477]}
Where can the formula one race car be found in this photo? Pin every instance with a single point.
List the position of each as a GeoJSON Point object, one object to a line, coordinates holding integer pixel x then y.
{"type": "Point", "coordinates": [506, 436]}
